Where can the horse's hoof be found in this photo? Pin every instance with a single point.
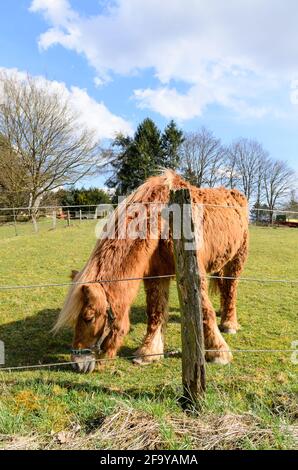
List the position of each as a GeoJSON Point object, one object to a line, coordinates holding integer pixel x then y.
{"type": "Point", "coordinates": [219, 357]}
{"type": "Point", "coordinates": [223, 361]}
{"type": "Point", "coordinates": [230, 331]}
{"type": "Point", "coordinates": [229, 328]}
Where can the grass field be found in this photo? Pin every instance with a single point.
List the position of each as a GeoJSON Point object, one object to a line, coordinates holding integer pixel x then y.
{"type": "Point", "coordinates": [252, 403]}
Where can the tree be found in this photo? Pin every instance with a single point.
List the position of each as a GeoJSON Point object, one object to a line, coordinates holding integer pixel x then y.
{"type": "Point", "coordinates": [171, 142]}
{"type": "Point", "coordinates": [124, 161]}
{"type": "Point", "coordinates": [134, 159]}
{"type": "Point", "coordinates": [202, 156]}
{"type": "Point", "coordinates": [292, 205]}
{"type": "Point", "coordinates": [246, 161]}
{"type": "Point", "coordinates": [12, 177]}
{"type": "Point", "coordinates": [82, 197]}
{"type": "Point", "coordinates": [260, 213]}
{"type": "Point", "coordinates": [278, 183]}
{"type": "Point", "coordinates": [147, 142]}
{"type": "Point", "coordinates": [44, 136]}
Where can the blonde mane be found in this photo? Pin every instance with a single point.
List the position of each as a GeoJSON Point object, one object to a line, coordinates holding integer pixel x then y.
{"type": "Point", "coordinates": [74, 300]}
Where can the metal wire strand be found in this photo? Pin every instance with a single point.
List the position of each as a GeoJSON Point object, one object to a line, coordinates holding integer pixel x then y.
{"type": "Point", "coordinates": [165, 354]}
{"type": "Point", "coordinates": [104, 281]}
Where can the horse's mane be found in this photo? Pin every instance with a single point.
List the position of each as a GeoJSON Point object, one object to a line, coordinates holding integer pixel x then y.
{"type": "Point", "coordinates": [156, 189]}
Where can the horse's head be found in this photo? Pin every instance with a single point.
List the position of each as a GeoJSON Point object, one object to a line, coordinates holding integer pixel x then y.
{"type": "Point", "coordinates": [86, 309]}
{"type": "Point", "coordinates": [92, 327]}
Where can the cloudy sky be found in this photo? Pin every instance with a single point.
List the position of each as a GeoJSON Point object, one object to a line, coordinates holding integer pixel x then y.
{"type": "Point", "coordinates": [232, 66]}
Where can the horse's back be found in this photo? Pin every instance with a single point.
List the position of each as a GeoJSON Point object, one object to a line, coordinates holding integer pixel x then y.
{"type": "Point", "coordinates": [224, 220]}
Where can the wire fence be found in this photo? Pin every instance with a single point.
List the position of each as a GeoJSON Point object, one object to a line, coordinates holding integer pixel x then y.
{"type": "Point", "coordinates": [107, 281]}
{"type": "Point", "coordinates": [54, 215]}
{"type": "Point", "coordinates": [171, 353]}
{"type": "Point", "coordinates": [18, 221]}
{"type": "Point", "coordinates": [131, 357]}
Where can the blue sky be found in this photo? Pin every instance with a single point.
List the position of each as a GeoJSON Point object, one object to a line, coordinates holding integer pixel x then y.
{"type": "Point", "coordinates": [229, 66]}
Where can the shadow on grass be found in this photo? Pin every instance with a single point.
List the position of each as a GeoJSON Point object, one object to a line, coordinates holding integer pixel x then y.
{"type": "Point", "coordinates": [159, 392]}
{"type": "Point", "coordinates": [31, 341]}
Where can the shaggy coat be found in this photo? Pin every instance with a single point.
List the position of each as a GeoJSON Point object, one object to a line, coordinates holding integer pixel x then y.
{"type": "Point", "coordinates": [223, 252]}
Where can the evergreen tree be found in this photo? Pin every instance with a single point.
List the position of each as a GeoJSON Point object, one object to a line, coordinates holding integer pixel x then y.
{"type": "Point", "coordinates": [171, 141]}
{"type": "Point", "coordinates": [135, 159]}
{"type": "Point", "coordinates": [148, 146]}
{"type": "Point", "coordinates": [123, 163]}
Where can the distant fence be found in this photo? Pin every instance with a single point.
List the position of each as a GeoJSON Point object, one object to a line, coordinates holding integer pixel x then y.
{"type": "Point", "coordinates": [52, 216]}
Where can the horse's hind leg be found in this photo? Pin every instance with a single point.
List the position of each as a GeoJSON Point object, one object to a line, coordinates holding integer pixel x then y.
{"type": "Point", "coordinates": [228, 292]}
{"type": "Point", "coordinates": [157, 296]}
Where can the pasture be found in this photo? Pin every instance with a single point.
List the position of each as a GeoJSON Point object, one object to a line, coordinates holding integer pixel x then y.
{"type": "Point", "coordinates": [251, 403]}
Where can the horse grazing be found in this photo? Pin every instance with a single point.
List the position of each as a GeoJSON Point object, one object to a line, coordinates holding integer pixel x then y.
{"type": "Point", "coordinates": [99, 312]}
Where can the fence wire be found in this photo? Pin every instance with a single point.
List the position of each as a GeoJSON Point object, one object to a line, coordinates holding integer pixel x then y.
{"type": "Point", "coordinates": [171, 353]}
{"type": "Point", "coordinates": [89, 206]}
{"type": "Point", "coordinates": [166, 276]}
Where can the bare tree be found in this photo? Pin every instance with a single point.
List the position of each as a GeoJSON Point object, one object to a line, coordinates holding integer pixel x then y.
{"type": "Point", "coordinates": [291, 205]}
{"type": "Point", "coordinates": [202, 156]}
{"type": "Point", "coordinates": [278, 183]}
{"type": "Point", "coordinates": [246, 160]}
{"type": "Point", "coordinates": [12, 177]}
{"type": "Point", "coordinates": [231, 175]}
{"type": "Point", "coordinates": [44, 136]}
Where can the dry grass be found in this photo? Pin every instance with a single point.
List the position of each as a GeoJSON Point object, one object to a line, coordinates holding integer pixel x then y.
{"type": "Point", "coordinates": [224, 432]}
{"type": "Point", "coordinates": [131, 429]}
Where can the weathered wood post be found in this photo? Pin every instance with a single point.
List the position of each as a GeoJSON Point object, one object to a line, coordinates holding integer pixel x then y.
{"type": "Point", "coordinates": [68, 218]}
{"type": "Point", "coordinates": [80, 215]}
{"type": "Point", "coordinates": [188, 285]}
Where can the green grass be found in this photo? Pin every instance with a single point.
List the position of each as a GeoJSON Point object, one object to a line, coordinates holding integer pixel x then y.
{"type": "Point", "coordinates": [43, 402]}
{"type": "Point", "coordinates": [44, 224]}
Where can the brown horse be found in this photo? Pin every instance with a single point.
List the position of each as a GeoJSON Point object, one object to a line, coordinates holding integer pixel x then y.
{"type": "Point", "coordinates": [99, 312]}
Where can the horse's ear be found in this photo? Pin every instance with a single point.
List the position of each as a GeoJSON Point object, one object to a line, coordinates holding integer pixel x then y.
{"type": "Point", "coordinates": [89, 291]}
{"type": "Point", "coordinates": [86, 290]}
{"type": "Point", "coordinates": [93, 293]}
{"type": "Point", "coordinates": [73, 274]}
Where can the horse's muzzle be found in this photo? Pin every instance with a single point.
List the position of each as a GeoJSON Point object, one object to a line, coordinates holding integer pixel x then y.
{"type": "Point", "coordinates": [83, 363]}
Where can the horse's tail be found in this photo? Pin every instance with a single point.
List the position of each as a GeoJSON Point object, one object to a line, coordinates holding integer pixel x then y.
{"type": "Point", "coordinates": [215, 282]}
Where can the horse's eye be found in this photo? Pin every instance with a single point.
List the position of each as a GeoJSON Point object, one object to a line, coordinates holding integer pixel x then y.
{"type": "Point", "coordinates": [89, 320]}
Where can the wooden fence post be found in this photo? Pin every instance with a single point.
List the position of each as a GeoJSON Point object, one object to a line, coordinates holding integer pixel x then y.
{"type": "Point", "coordinates": [188, 285]}
{"type": "Point", "coordinates": [80, 215]}
{"type": "Point", "coordinates": [68, 218]}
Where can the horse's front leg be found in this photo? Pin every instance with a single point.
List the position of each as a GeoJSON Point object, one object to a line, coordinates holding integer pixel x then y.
{"type": "Point", "coordinates": [217, 349]}
{"type": "Point", "coordinates": [157, 296]}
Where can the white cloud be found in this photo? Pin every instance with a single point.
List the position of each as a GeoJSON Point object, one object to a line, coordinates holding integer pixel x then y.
{"type": "Point", "coordinates": [55, 11]}
{"type": "Point", "coordinates": [205, 45]}
{"type": "Point", "coordinates": [97, 115]}
{"type": "Point", "coordinates": [92, 114]}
